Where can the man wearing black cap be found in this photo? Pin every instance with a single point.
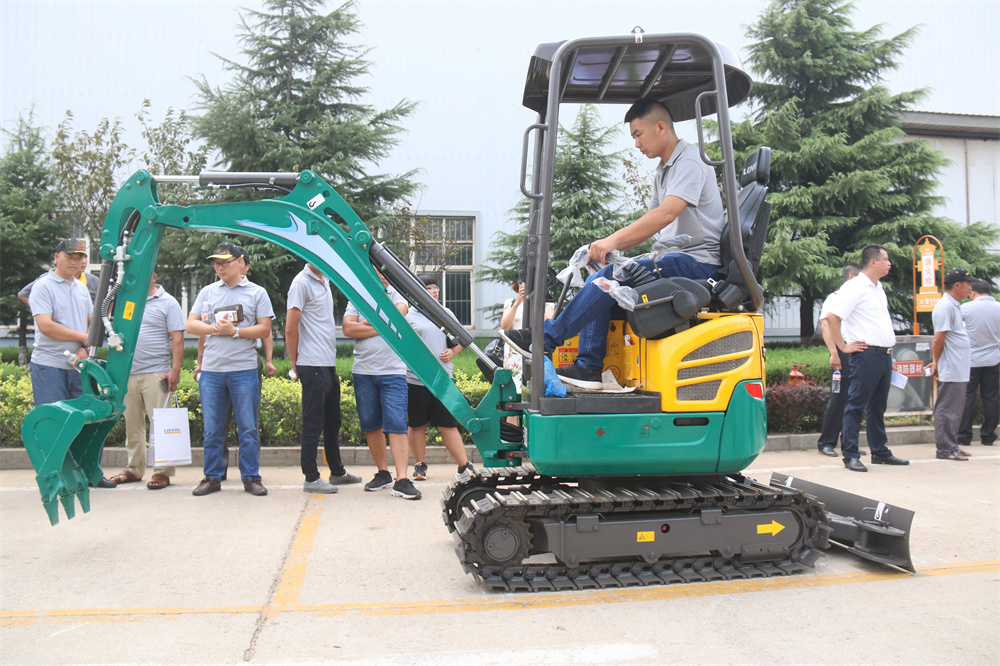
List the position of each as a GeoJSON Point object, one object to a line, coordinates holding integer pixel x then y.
{"type": "Point", "coordinates": [233, 313]}
{"type": "Point", "coordinates": [950, 352]}
{"type": "Point", "coordinates": [62, 309]}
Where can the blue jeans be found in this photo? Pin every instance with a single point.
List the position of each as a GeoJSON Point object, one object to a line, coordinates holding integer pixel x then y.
{"type": "Point", "coordinates": [243, 389]}
{"type": "Point", "coordinates": [50, 384]}
{"type": "Point", "coordinates": [589, 313]}
{"type": "Point", "coordinates": [381, 402]}
{"type": "Point", "coordinates": [871, 372]}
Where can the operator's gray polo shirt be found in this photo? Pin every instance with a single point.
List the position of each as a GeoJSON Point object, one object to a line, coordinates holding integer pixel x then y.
{"type": "Point", "coordinates": [222, 352]}
{"type": "Point", "coordinates": [433, 337]}
{"type": "Point", "coordinates": [982, 322]}
{"type": "Point", "coordinates": [953, 366]}
{"type": "Point", "coordinates": [162, 316]}
{"type": "Point", "coordinates": [310, 294]}
{"type": "Point", "coordinates": [374, 356]}
{"type": "Point", "coordinates": [68, 301]}
{"type": "Point", "coordinates": [686, 177]}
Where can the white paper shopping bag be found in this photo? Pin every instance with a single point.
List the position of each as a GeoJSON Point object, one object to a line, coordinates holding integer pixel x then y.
{"type": "Point", "coordinates": [170, 436]}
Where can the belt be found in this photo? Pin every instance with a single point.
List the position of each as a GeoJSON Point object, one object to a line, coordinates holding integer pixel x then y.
{"type": "Point", "coordinates": [887, 350]}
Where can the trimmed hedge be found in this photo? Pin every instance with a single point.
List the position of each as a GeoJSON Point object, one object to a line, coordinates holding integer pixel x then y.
{"type": "Point", "coordinates": [796, 407]}
{"type": "Point", "coordinates": [280, 409]}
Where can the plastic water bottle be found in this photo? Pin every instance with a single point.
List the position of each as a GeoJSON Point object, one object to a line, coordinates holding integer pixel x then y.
{"type": "Point", "coordinates": [835, 384]}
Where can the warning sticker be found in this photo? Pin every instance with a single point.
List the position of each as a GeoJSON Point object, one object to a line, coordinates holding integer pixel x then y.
{"type": "Point", "coordinates": [644, 537]}
{"type": "Point", "coordinates": [129, 309]}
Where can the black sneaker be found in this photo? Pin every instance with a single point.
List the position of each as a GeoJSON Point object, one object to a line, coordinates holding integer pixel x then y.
{"type": "Point", "coordinates": [420, 471]}
{"type": "Point", "coordinates": [404, 488]}
{"type": "Point", "coordinates": [381, 481]}
{"type": "Point", "coordinates": [519, 339]}
{"type": "Point", "coordinates": [467, 468]}
{"type": "Point", "coordinates": [575, 375]}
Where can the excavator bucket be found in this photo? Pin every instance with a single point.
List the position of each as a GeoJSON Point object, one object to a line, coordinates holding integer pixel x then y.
{"type": "Point", "coordinates": [868, 528]}
{"type": "Point", "coordinates": [64, 441]}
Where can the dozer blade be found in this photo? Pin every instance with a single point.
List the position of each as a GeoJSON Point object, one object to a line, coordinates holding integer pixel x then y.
{"type": "Point", "coordinates": [64, 441]}
{"type": "Point", "coordinates": [868, 528]}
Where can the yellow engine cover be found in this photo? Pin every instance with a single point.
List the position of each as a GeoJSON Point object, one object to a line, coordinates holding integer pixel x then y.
{"type": "Point", "coordinates": [695, 370]}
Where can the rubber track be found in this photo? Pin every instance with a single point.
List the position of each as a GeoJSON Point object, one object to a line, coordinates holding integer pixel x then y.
{"type": "Point", "coordinates": [521, 494]}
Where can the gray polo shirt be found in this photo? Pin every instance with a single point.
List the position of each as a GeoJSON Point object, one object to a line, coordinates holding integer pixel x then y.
{"type": "Point", "coordinates": [310, 294]}
{"type": "Point", "coordinates": [68, 301]}
{"type": "Point", "coordinates": [685, 176]}
{"type": "Point", "coordinates": [222, 352]}
{"type": "Point", "coordinates": [91, 282]}
{"type": "Point", "coordinates": [953, 366]}
{"type": "Point", "coordinates": [374, 356]}
{"type": "Point", "coordinates": [433, 337]}
{"type": "Point", "coordinates": [162, 316]}
{"type": "Point", "coordinates": [982, 322]}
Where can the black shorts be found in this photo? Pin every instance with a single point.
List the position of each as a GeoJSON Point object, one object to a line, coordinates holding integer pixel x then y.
{"type": "Point", "coordinates": [423, 408]}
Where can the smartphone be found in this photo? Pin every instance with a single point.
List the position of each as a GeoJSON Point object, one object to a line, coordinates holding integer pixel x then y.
{"type": "Point", "coordinates": [164, 384]}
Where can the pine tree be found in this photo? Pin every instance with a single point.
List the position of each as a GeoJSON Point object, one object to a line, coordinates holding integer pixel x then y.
{"type": "Point", "coordinates": [841, 175]}
{"type": "Point", "coordinates": [29, 225]}
{"type": "Point", "coordinates": [295, 104]}
{"type": "Point", "coordinates": [586, 204]}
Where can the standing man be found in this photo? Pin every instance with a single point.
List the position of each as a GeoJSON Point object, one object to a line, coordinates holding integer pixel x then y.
{"type": "Point", "coordinates": [380, 394]}
{"type": "Point", "coordinates": [833, 418]}
{"type": "Point", "coordinates": [685, 202]}
{"type": "Point", "coordinates": [950, 352]}
{"type": "Point", "coordinates": [982, 322]}
{"type": "Point", "coordinates": [311, 342]}
{"type": "Point", "coordinates": [862, 327]}
{"type": "Point", "coordinates": [61, 307]}
{"type": "Point", "coordinates": [423, 407]}
{"type": "Point", "coordinates": [159, 354]}
{"type": "Point", "coordinates": [233, 313]}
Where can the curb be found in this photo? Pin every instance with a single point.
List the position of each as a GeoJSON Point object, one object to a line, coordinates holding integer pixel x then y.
{"type": "Point", "coordinates": [353, 456]}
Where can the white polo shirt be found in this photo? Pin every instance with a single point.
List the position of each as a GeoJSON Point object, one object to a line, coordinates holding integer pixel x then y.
{"type": "Point", "coordinates": [864, 310]}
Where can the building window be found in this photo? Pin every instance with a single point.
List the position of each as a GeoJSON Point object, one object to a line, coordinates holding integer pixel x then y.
{"type": "Point", "coordinates": [445, 246]}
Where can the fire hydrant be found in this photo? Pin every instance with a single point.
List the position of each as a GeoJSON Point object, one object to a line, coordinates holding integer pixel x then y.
{"type": "Point", "coordinates": [796, 377]}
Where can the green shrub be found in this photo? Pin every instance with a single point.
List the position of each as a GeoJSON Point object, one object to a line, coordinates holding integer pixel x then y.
{"type": "Point", "coordinates": [796, 407]}
{"type": "Point", "coordinates": [15, 403]}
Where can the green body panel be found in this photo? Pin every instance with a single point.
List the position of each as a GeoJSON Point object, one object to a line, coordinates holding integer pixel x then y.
{"type": "Point", "coordinates": [744, 434]}
{"type": "Point", "coordinates": [649, 444]}
{"type": "Point", "coordinates": [617, 444]}
{"type": "Point", "coordinates": [64, 439]}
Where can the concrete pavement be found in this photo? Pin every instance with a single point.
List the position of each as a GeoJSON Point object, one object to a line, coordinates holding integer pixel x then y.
{"type": "Point", "coordinates": [165, 577]}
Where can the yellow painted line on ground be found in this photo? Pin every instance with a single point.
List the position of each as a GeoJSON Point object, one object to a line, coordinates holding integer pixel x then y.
{"type": "Point", "coordinates": [500, 602]}
{"type": "Point", "coordinates": [295, 569]}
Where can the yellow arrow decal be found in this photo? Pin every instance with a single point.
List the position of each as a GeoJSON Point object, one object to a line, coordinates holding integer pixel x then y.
{"type": "Point", "coordinates": [771, 528]}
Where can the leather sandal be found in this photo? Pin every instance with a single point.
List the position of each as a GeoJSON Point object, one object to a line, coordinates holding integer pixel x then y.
{"type": "Point", "coordinates": [158, 482]}
{"type": "Point", "coordinates": [126, 476]}
{"type": "Point", "coordinates": [950, 456]}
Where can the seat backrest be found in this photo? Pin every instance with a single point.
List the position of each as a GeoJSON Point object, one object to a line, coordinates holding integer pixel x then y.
{"type": "Point", "coordinates": [754, 214]}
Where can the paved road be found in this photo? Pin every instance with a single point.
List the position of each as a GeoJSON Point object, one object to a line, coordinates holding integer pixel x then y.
{"type": "Point", "coordinates": [165, 577]}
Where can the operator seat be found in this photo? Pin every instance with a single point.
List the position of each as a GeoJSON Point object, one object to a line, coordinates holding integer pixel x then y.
{"type": "Point", "coordinates": [667, 304]}
{"type": "Point", "coordinates": [731, 291]}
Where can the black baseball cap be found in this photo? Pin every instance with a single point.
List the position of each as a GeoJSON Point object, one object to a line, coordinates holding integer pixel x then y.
{"type": "Point", "coordinates": [72, 246]}
{"type": "Point", "coordinates": [958, 275]}
{"type": "Point", "coordinates": [228, 250]}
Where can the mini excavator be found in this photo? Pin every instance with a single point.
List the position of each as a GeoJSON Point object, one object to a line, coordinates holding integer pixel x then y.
{"type": "Point", "coordinates": [583, 491]}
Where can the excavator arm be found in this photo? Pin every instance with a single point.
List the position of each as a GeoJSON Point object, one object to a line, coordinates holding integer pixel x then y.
{"type": "Point", "coordinates": [64, 439]}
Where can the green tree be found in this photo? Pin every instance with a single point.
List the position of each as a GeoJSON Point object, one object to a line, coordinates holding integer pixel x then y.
{"type": "Point", "coordinates": [88, 171]}
{"type": "Point", "coordinates": [293, 104]}
{"type": "Point", "coordinates": [841, 174]}
{"type": "Point", "coordinates": [587, 196]}
{"type": "Point", "coordinates": [29, 226]}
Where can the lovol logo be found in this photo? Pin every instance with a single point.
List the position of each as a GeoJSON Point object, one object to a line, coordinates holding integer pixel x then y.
{"type": "Point", "coordinates": [750, 169]}
{"type": "Point", "coordinates": [171, 431]}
